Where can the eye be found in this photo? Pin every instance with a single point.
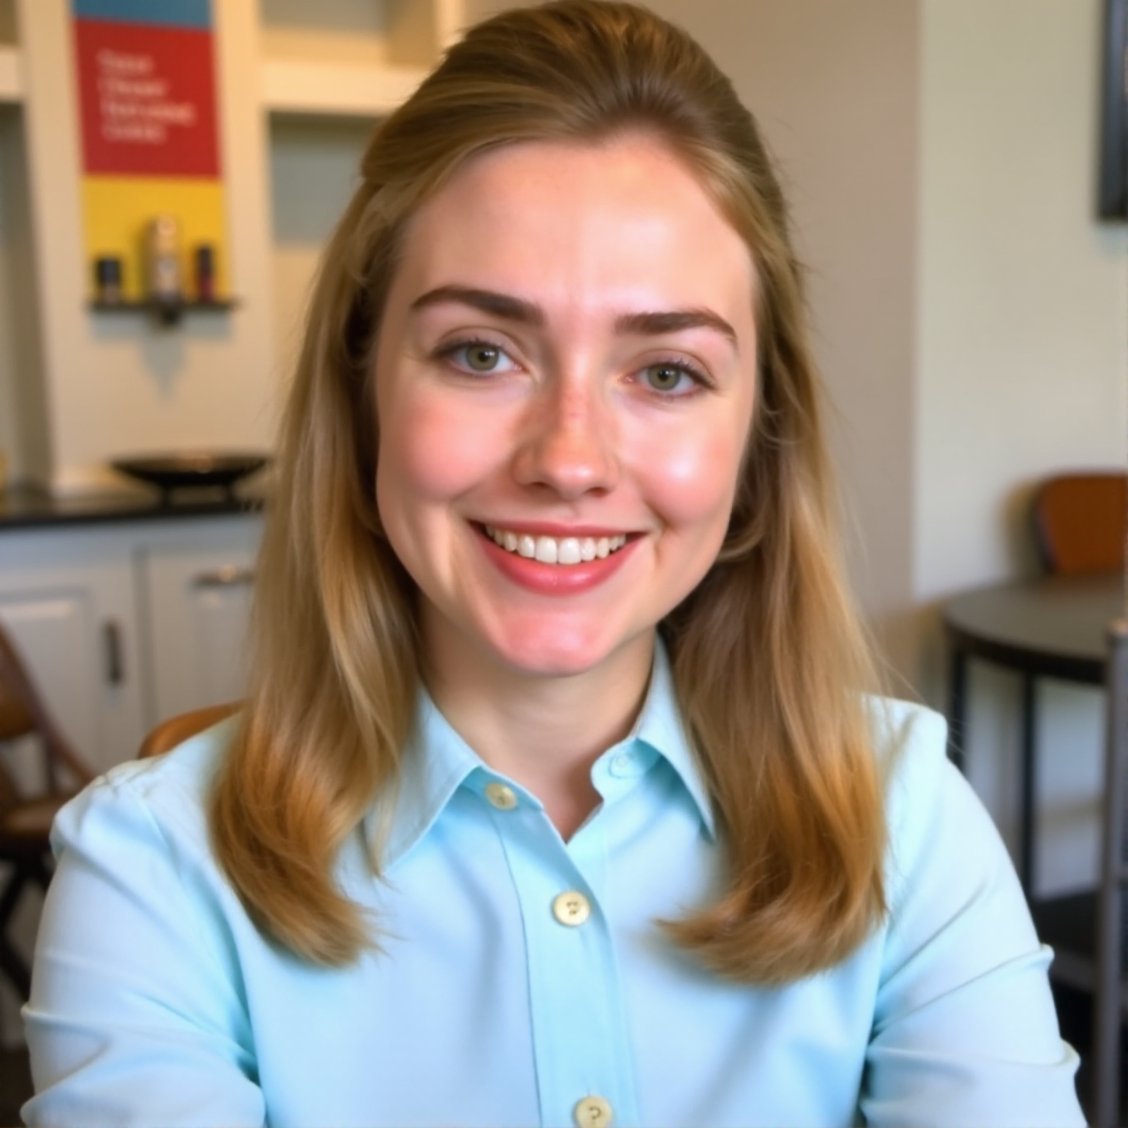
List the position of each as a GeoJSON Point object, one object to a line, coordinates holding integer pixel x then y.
{"type": "Point", "coordinates": [672, 378]}
{"type": "Point", "coordinates": [480, 358]}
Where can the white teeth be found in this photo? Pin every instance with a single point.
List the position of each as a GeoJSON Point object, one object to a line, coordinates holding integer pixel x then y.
{"type": "Point", "coordinates": [550, 550]}
{"type": "Point", "coordinates": [568, 551]}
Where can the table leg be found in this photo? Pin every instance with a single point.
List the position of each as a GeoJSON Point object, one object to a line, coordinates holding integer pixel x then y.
{"type": "Point", "coordinates": [957, 705]}
{"type": "Point", "coordinates": [1028, 784]}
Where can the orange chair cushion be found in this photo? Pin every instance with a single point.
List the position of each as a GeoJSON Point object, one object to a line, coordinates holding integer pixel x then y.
{"type": "Point", "coordinates": [1081, 521]}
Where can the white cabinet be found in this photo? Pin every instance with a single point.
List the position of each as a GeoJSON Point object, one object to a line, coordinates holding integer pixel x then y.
{"type": "Point", "coordinates": [67, 598]}
{"type": "Point", "coordinates": [127, 624]}
{"type": "Point", "coordinates": [195, 603]}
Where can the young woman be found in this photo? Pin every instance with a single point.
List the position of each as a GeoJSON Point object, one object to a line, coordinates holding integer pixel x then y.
{"type": "Point", "coordinates": [556, 797]}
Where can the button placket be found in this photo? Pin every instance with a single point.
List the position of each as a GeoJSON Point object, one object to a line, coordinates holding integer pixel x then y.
{"type": "Point", "coordinates": [579, 1043]}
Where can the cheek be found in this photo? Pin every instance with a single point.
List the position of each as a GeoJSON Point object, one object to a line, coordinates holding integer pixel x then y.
{"type": "Point", "coordinates": [693, 482]}
{"type": "Point", "coordinates": [428, 451]}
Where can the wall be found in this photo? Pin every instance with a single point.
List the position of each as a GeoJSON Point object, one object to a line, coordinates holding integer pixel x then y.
{"type": "Point", "coordinates": [1023, 338]}
{"type": "Point", "coordinates": [1022, 354]}
{"type": "Point", "coordinates": [313, 171]}
{"type": "Point", "coordinates": [23, 426]}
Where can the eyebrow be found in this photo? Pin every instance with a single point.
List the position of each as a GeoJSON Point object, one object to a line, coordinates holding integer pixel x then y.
{"type": "Point", "coordinates": [645, 323]}
{"type": "Point", "coordinates": [488, 301]}
{"type": "Point", "coordinates": [673, 321]}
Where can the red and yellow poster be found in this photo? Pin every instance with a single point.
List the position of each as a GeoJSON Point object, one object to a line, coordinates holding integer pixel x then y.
{"type": "Point", "coordinates": [150, 135]}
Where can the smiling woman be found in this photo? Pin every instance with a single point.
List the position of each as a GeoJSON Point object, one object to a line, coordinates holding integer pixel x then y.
{"type": "Point", "coordinates": [558, 796]}
{"type": "Point", "coordinates": [606, 399]}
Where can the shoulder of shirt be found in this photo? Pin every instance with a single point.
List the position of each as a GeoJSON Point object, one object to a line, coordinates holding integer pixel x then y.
{"type": "Point", "coordinates": [929, 805]}
{"type": "Point", "coordinates": [173, 788]}
{"type": "Point", "coordinates": [905, 726]}
{"type": "Point", "coordinates": [910, 744]}
{"type": "Point", "coordinates": [895, 720]}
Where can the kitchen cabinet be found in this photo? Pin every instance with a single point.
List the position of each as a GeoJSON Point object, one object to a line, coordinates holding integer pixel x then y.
{"type": "Point", "coordinates": [195, 601]}
{"type": "Point", "coordinates": [67, 599]}
{"type": "Point", "coordinates": [123, 625]}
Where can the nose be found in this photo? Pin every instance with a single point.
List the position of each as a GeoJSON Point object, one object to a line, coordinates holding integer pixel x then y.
{"type": "Point", "coordinates": [568, 443]}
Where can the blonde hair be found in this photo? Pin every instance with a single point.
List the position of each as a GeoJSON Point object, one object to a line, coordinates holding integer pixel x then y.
{"type": "Point", "coordinates": [768, 658]}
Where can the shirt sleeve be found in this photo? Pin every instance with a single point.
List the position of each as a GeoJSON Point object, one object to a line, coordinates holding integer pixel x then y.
{"type": "Point", "coordinates": [965, 1031]}
{"type": "Point", "coordinates": [136, 1016]}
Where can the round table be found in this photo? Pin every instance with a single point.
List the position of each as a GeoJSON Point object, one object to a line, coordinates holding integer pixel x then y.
{"type": "Point", "coordinates": [1053, 626]}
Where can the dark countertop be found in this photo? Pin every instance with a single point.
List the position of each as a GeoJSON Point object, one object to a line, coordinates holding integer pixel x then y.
{"type": "Point", "coordinates": [31, 507]}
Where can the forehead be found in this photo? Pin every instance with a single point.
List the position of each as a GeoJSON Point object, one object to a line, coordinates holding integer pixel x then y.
{"type": "Point", "coordinates": [574, 218]}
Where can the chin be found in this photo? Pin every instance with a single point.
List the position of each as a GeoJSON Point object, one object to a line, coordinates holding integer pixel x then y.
{"type": "Point", "coordinates": [557, 654]}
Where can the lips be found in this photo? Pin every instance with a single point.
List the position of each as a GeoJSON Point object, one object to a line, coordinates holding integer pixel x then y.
{"type": "Point", "coordinates": [566, 551]}
{"type": "Point", "coordinates": [556, 565]}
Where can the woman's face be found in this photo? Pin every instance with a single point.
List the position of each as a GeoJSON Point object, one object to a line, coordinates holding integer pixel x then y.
{"type": "Point", "coordinates": [565, 380]}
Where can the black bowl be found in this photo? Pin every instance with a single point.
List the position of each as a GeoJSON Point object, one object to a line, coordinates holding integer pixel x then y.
{"type": "Point", "coordinates": [191, 468]}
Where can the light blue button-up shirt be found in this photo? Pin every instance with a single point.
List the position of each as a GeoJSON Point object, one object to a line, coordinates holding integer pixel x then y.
{"type": "Point", "coordinates": [493, 1002]}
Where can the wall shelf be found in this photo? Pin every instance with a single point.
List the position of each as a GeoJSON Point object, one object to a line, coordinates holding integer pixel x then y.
{"type": "Point", "coordinates": [167, 313]}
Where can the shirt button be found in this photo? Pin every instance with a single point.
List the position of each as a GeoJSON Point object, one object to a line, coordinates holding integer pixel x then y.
{"type": "Point", "coordinates": [592, 1112]}
{"type": "Point", "coordinates": [623, 764]}
{"type": "Point", "coordinates": [571, 908]}
{"type": "Point", "coordinates": [503, 797]}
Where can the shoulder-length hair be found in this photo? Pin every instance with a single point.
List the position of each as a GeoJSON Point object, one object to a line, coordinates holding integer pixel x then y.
{"type": "Point", "coordinates": [769, 661]}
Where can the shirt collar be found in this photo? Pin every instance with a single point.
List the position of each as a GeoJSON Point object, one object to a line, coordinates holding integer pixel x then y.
{"type": "Point", "coordinates": [437, 762]}
{"type": "Point", "coordinates": [660, 726]}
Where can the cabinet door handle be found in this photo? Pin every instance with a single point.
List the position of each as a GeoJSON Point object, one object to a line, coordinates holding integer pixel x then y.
{"type": "Point", "coordinates": [230, 575]}
{"type": "Point", "coordinates": [111, 639]}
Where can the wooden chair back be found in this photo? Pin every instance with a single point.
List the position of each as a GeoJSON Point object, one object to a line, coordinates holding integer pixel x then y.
{"type": "Point", "coordinates": [1081, 522]}
{"type": "Point", "coordinates": [24, 713]}
{"type": "Point", "coordinates": [176, 730]}
{"type": "Point", "coordinates": [26, 818]}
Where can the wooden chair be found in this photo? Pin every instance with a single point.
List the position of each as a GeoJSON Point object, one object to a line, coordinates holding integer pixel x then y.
{"type": "Point", "coordinates": [1081, 522]}
{"type": "Point", "coordinates": [175, 730]}
{"type": "Point", "coordinates": [25, 819]}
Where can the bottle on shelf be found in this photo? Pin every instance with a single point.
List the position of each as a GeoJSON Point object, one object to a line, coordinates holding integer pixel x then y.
{"type": "Point", "coordinates": [204, 260]}
{"type": "Point", "coordinates": [107, 279]}
{"type": "Point", "coordinates": [163, 261]}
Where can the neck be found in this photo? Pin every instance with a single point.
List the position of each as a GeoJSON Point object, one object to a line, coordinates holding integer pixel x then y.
{"type": "Point", "coordinates": [545, 732]}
